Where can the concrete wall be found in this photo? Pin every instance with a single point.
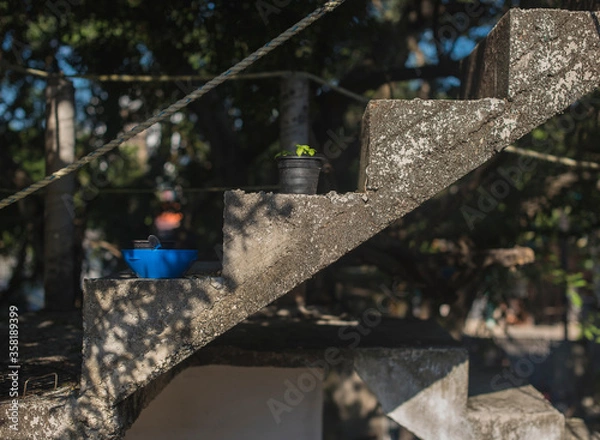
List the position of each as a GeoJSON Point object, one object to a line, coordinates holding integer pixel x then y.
{"type": "Point", "coordinates": [224, 402]}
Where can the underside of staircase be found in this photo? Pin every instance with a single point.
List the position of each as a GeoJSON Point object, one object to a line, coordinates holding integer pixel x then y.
{"type": "Point", "coordinates": [533, 65]}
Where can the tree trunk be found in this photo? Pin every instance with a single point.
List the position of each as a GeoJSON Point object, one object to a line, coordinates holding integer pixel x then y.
{"type": "Point", "coordinates": [294, 129]}
{"type": "Point", "coordinates": [59, 234]}
{"type": "Point", "coordinates": [294, 121]}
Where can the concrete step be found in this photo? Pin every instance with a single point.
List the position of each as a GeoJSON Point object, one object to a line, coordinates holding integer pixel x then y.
{"type": "Point", "coordinates": [425, 391]}
{"type": "Point", "coordinates": [539, 60]}
{"type": "Point", "coordinates": [421, 389]}
{"type": "Point", "coordinates": [576, 429]}
{"type": "Point", "coordinates": [514, 414]}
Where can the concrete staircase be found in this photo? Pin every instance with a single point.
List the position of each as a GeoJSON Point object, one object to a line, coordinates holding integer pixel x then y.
{"type": "Point", "coordinates": [426, 392]}
{"type": "Point", "coordinates": [135, 330]}
{"type": "Point", "coordinates": [533, 65]}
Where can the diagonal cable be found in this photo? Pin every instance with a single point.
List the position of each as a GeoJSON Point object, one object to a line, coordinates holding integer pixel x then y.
{"type": "Point", "coordinates": [175, 107]}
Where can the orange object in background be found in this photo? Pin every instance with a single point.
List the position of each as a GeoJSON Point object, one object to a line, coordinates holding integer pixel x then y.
{"type": "Point", "coordinates": [168, 220]}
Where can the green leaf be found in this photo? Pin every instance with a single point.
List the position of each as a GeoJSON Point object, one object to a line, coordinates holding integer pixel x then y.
{"type": "Point", "coordinates": [283, 153]}
{"type": "Point", "coordinates": [575, 298]}
{"type": "Point", "coordinates": [304, 150]}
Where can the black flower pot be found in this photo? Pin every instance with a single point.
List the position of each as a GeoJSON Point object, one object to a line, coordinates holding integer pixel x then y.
{"type": "Point", "coordinates": [299, 174]}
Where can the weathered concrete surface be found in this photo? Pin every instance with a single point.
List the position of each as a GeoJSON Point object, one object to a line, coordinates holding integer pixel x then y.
{"type": "Point", "coordinates": [515, 414]}
{"type": "Point", "coordinates": [485, 72]}
{"type": "Point", "coordinates": [135, 329]}
{"type": "Point", "coordinates": [97, 417]}
{"type": "Point", "coordinates": [273, 241]}
{"type": "Point", "coordinates": [41, 418]}
{"type": "Point", "coordinates": [430, 145]}
{"type": "Point", "coordinates": [542, 57]}
{"type": "Point", "coordinates": [424, 390]}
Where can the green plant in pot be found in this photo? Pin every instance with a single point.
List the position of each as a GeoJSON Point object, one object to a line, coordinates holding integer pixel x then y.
{"type": "Point", "coordinates": [299, 173]}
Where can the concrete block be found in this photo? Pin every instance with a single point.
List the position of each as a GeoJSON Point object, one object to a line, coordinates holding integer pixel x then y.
{"type": "Point", "coordinates": [411, 151]}
{"type": "Point", "coordinates": [417, 148]}
{"type": "Point", "coordinates": [539, 60]}
{"type": "Point", "coordinates": [515, 414]}
{"type": "Point", "coordinates": [542, 50]}
{"type": "Point", "coordinates": [42, 418]}
{"type": "Point", "coordinates": [136, 329]}
{"type": "Point", "coordinates": [424, 390]}
{"type": "Point", "coordinates": [275, 241]}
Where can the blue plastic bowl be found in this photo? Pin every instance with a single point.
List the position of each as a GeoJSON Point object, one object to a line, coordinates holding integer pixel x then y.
{"type": "Point", "coordinates": [159, 263]}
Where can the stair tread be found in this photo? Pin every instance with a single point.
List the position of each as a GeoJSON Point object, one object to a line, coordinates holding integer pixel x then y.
{"type": "Point", "coordinates": [514, 414]}
{"type": "Point", "coordinates": [512, 401]}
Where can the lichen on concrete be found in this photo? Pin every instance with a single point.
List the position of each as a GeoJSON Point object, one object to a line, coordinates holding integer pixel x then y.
{"type": "Point", "coordinates": [430, 144]}
{"type": "Point", "coordinates": [550, 52]}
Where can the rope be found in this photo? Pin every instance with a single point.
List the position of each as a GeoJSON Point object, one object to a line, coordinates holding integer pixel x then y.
{"type": "Point", "coordinates": [554, 159]}
{"type": "Point", "coordinates": [173, 78]}
{"type": "Point", "coordinates": [175, 107]}
{"type": "Point", "coordinates": [26, 70]}
{"type": "Point", "coordinates": [212, 189]}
